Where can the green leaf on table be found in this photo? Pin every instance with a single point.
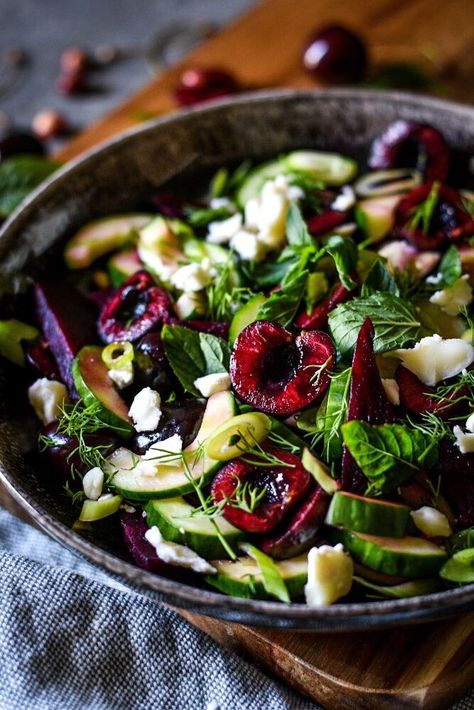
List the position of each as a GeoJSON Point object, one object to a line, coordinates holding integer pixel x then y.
{"type": "Point", "coordinates": [19, 175]}
{"type": "Point", "coordinates": [344, 252]}
{"type": "Point", "coordinates": [379, 278]}
{"type": "Point", "coordinates": [192, 354]}
{"type": "Point", "coordinates": [394, 319]}
{"type": "Point", "coordinates": [389, 454]}
{"type": "Point", "coordinates": [273, 582]}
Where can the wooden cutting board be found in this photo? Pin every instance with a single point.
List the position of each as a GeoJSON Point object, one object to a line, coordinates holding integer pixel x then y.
{"type": "Point", "coordinates": [424, 666]}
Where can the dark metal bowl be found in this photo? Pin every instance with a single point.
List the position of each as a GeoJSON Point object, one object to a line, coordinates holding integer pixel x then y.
{"type": "Point", "coordinates": [109, 179]}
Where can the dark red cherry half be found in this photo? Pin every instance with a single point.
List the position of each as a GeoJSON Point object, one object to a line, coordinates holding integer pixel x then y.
{"type": "Point", "coordinates": [203, 84]}
{"type": "Point", "coordinates": [318, 318]}
{"type": "Point", "coordinates": [284, 486]}
{"type": "Point", "coordinates": [278, 372]}
{"type": "Point", "coordinates": [419, 398]}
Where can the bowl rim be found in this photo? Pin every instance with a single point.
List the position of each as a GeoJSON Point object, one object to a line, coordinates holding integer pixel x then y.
{"type": "Point", "coordinates": [339, 617]}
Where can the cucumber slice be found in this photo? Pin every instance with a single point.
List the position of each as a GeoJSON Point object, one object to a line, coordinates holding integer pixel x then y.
{"type": "Point", "coordinates": [160, 246]}
{"type": "Point", "coordinates": [368, 515]}
{"type": "Point", "coordinates": [375, 217]}
{"type": "Point", "coordinates": [460, 567]}
{"type": "Point", "coordinates": [406, 556]}
{"type": "Point", "coordinates": [123, 265]}
{"type": "Point", "coordinates": [173, 481]}
{"type": "Point", "coordinates": [319, 472]}
{"type": "Point", "coordinates": [243, 578]}
{"type": "Point", "coordinates": [245, 315]}
{"type": "Point", "coordinates": [92, 381]}
{"type": "Point", "coordinates": [382, 183]}
{"type": "Point", "coordinates": [173, 519]}
{"type": "Point", "coordinates": [101, 237]}
{"type": "Point", "coordinates": [413, 588]}
{"type": "Point", "coordinates": [197, 249]}
{"type": "Point", "coordinates": [331, 168]}
{"type": "Point", "coordinates": [234, 436]}
{"type": "Point", "coordinates": [93, 510]}
{"type": "Point", "coordinates": [255, 180]}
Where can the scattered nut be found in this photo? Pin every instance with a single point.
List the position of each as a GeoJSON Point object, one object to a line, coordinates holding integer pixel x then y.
{"type": "Point", "coordinates": [48, 123]}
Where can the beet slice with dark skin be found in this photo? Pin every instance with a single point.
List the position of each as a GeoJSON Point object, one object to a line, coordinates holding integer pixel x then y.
{"type": "Point", "coordinates": [457, 480]}
{"type": "Point", "coordinates": [449, 221]}
{"type": "Point", "coordinates": [143, 554]}
{"type": "Point", "coordinates": [301, 531]}
{"type": "Point", "coordinates": [418, 397]}
{"type": "Point", "coordinates": [183, 418]}
{"type": "Point", "coordinates": [405, 143]}
{"type": "Point", "coordinates": [137, 307]}
{"type": "Point", "coordinates": [367, 402]}
{"type": "Point", "coordinates": [67, 323]}
{"type": "Point", "coordinates": [278, 372]}
{"type": "Point", "coordinates": [208, 326]}
{"type": "Point", "coordinates": [318, 318]}
{"type": "Point", "coordinates": [285, 485]}
{"type": "Point", "coordinates": [326, 222]}
{"type": "Point", "coordinates": [40, 358]}
{"type": "Point", "coordinates": [152, 368]}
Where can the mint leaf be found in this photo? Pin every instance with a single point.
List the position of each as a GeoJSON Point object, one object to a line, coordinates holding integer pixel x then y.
{"type": "Point", "coordinates": [389, 454]}
{"type": "Point", "coordinates": [267, 274]}
{"type": "Point", "coordinates": [296, 229]}
{"type": "Point", "coordinates": [282, 305]}
{"type": "Point", "coordinates": [450, 267]}
{"type": "Point", "coordinates": [19, 175]}
{"type": "Point", "coordinates": [423, 213]}
{"type": "Point", "coordinates": [344, 252]}
{"type": "Point", "coordinates": [273, 582]}
{"type": "Point", "coordinates": [394, 320]}
{"type": "Point", "coordinates": [331, 417]}
{"type": "Point", "coordinates": [192, 354]}
{"type": "Point", "coordinates": [379, 278]}
{"type": "Point", "coordinates": [202, 216]}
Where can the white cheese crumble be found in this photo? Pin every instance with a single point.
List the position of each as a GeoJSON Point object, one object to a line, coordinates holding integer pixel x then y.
{"type": "Point", "coordinates": [122, 376]}
{"type": "Point", "coordinates": [161, 453]}
{"type": "Point", "coordinates": [392, 390]}
{"type": "Point", "coordinates": [470, 423]}
{"type": "Point", "coordinates": [222, 232]}
{"type": "Point", "coordinates": [145, 411]}
{"type": "Point", "coordinates": [434, 359]}
{"type": "Point", "coordinates": [330, 573]}
{"type": "Point", "coordinates": [431, 522]}
{"type": "Point", "coordinates": [453, 298]}
{"type": "Point", "coordinates": [267, 213]}
{"type": "Point", "coordinates": [464, 440]}
{"type": "Point", "coordinates": [248, 245]}
{"type": "Point", "coordinates": [93, 483]}
{"type": "Point", "coordinates": [217, 203]}
{"type": "Point", "coordinates": [179, 555]}
{"type": "Point", "coordinates": [194, 276]}
{"type": "Point", "coordinates": [211, 384]}
{"type": "Point", "coordinates": [345, 200]}
{"type": "Point", "coordinates": [187, 304]}
{"type": "Point", "coordinates": [47, 397]}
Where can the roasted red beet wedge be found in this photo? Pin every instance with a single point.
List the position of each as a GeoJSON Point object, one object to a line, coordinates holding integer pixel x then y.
{"type": "Point", "coordinates": [137, 307]}
{"type": "Point", "coordinates": [143, 554]}
{"type": "Point", "coordinates": [318, 318]}
{"type": "Point", "coordinates": [326, 222]}
{"type": "Point", "coordinates": [301, 531]}
{"type": "Point", "coordinates": [278, 372]}
{"type": "Point", "coordinates": [457, 480]}
{"type": "Point", "coordinates": [40, 358]}
{"type": "Point", "coordinates": [367, 402]}
{"type": "Point", "coordinates": [449, 221]}
{"type": "Point", "coordinates": [418, 397]}
{"type": "Point", "coordinates": [67, 324]}
{"type": "Point", "coordinates": [404, 144]}
{"type": "Point", "coordinates": [284, 486]}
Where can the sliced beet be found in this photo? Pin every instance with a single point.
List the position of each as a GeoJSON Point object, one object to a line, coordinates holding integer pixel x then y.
{"type": "Point", "coordinates": [144, 555]}
{"type": "Point", "coordinates": [450, 220]}
{"type": "Point", "coordinates": [136, 308]}
{"type": "Point", "coordinates": [318, 318]}
{"type": "Point", "coordinates": [278, 372]}
{"type": "Point", "coordinates": [208, 326]}
{"type": "Point", "coordinates": [67, 323]}
{"type": "Point", "coordinates": [40, 358]}
{"type": "Point", "coordinates": [457, 480]}
{"type": "Point", "coordinates": [301, 531]}
{"type": "Point", "coordinates": [418, 397]}
{"type": "Point", "coordinates": [367, 402]}
{"type": "Point", "coordinates": [285, 485]}
{"type": "Point", "coordinates": [404, 144]}
{"type": "Point", "coordinates": [183, 418]}
{"type": "Point", "coordinates": [151, 366]}
{"type": "Point", "coordinates": [169, 205]}
{"type": "Point", "coordinates": [326, 222]}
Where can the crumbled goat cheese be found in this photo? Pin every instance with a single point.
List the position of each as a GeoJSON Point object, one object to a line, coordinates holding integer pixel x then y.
{"type": "Point", "coordinates": [248, 246]}
{"type": "Point", "coordinates": [330, 573]}
{"type": "Point", "coordinates": [434, 359]}
{"type": "Point", "coordinates": [47, 397]}
{"type": "Point", "coordinates": [210, 384]}
{"type": "Point", "coordinates": [267, 213]}
{"type": "Point", "coordinates": [161, 453]}
{"type": "Point", "coordinates": [93, 483]}
{"type": "Point", "coordinates": [122, 376]}
{"type": "Point", "coordinates": [217, 203]}
{"type": "Point", "coordinates": [345, 200]}
{"type": "Point", "coordinates": [187, 304]}
{"type": "Point", "coordinates": [431, 522]}
{"type": "Point", "coordinates": [128, 508]}
{"type": "Point", "coordinates": [193, 277]}
{"type": "Point", "coordinates": [464, 440]}
{"type": "Point", "coordinates": [392, 390]}
{"type": "Point", "coordinates": [145, 411]}
{"type": "Point", "coordinates": [453, 298]}
{"type": "Point", "coordinates": [179, 555]}
{"type": "Point", "coordinates": [470, 423]}
{"type": "Point", "coordinates": [223, 231]}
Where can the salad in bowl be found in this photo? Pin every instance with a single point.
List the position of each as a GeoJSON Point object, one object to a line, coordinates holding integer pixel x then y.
{"type": "Point", "coordinates": [268, 379]}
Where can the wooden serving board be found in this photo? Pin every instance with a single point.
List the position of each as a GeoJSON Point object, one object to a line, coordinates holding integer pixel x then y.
{"type": "Point", "coordinates": [425, 666]}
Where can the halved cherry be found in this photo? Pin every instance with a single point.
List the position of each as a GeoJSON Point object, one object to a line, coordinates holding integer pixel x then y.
{"type": "Point", "coordinates": [137, 307]}
{"type": "Point", "coordinates": [405, 143]}
{"type": "Point", "coordinates": [301, 530]}
{"type": "Point", "coordinates": [449, 221]}
{"type": "Point", "coordinates": [419, 398]}
{"type": "Point", "coordinates": [318, 318]}
{"type": "Point", "coordinates": [278, 372]}
{"type": "Point", "coordinates": [284, 486]}
{"type": "Point", "coordinates": [326, 222]}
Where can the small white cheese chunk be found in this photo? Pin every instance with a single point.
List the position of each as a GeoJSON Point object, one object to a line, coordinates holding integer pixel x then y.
{"type": "Point", "coordinates": [122, 376]}
{"type": "Point", "coordinates": [128, 508]}
{"type": "Point", "coordinates": [470, 423]}
{"type": "Point", "coordinates": [267, 213]}
{"type": "Point", "coordinates": [453, 298]}
{"type": "Point", "coordinates": [210, 384]}
{"type": "Point", "coordinates": [47, 397]}
{"type": "Point", "coordinates": [431, 522]}
{"type": "Point", "coordinates": [464, 440]}
{"type": "Point", "coordinates": [179, 555]}
{"type": "Point", "coordinates": [392, 390]}
{"type": "Point", "coordinates": [145, 410]}
{"type": "Point", "coordinates": [248, 245]}
{"type": "Point", "coordinates": [330, 573]}
{"type": "Point", "coordinates": [93, 483]}
{"type": "Point", "coordinates": [217, 203]}
{"type": "Point", "coordinates": [106, 496]}
{"type": "Point", "coordinates": [345, 200]}
{"type": "Point", "coordinates": [223, 231]}
{"type": "Point", "coordinates": [121, 459]}
{"type": "Point", "coordinates": [187, 304]}
{"type": "Point", "coordinates": [193, 277]}
{"type": "Point", "coordinates": [434, 359]}
{"type": "Point", "coordinates": [161, 453]}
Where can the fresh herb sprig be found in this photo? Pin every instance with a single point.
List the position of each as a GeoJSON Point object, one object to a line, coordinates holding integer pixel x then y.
{"type": "Point", "coordinates": [423, 214]}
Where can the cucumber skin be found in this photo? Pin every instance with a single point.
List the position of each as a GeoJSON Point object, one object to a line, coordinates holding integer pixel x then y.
{"type": "Point", "coordinates": [206, 545]}
{"type": "Point", "coordinates": [368, 516]}
{"type": "Point", "coordinates": [175, 492]}
{"type": "Point", "coordinates": [245, 315]}
{"type": "Point", "coordinates": [255, 590]}
{"type": "Point", "coordinates": [380, 558]}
